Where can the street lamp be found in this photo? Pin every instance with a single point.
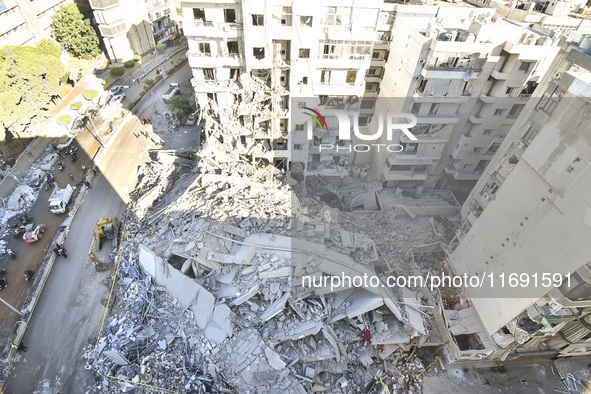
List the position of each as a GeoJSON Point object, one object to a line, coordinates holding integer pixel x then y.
{"type": "Point", "coordinates": [11, 307]}
{"type": "Point", "coordinates": [96, 131]}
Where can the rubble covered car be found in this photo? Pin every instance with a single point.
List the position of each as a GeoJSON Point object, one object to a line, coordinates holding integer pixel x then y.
{"type": "Point", "coordinates": [59, 199]}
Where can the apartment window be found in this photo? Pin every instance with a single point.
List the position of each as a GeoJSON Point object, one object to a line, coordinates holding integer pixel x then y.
{"type": "Point", "coordinates": [209, 74]}
{"type": "Point", "coordinates": [304, 80]}
{"type": "Point", "coordinates": [258, 53]}
{"type": "Point", "coordinates": [234, 73]}
{"type": "Point", "coordinates": [233, 47]}
{"type": "Point", "coordinates": [481, 165]}
{"type": "Point", "coordinates": [258, 20]}
{"type": "Point", "coordinates": [549, 101]}
{"type": "Point", "coordinates": [199, 13]}
{"type": "Point", "coordinates": [487, 131]}
{"type": "Point", "coordinates": [499, 112]}
{"type": "Point", "coordinates": [477, 149]}
{"type": "Point", "coordinates": [229, 15]}
{"type": "Point", "coordinates": [341, 49]}
{"type": "Point", "coordinates": [375, 55]}
{"type": "Point", "coordinates": [368, 104]}
{"type": "Point", "coordinates": [515, 111]}
{"type": "Point", "coordinates": [525, 66]}
{"type": "Point", "coordinates": [351, 76]}
{"type": "Point", "coordinates": [306, 21]}
{"type": "Point", "coordinates": [204, 48]}
{"type": "Point", "coordinates": [409, 148]}
{"type": "Point", "coordinates": [299, 127]}
{"type": "Point", "coordinates": [530, 134]}
{"type": "Point", "coordinates": [338, 16]}
{"type": "Point", "coordinates": [286, 16]}
{"type": "Point", "coordinates": [304, 53]}
{"type": "Point", "coordinates": [297, 146]}
{"type": "Point", "coordinates": [325, 76]}
{"type": "Point", "coordinates": [493, 148]}
{"type": "Point", "coordinates": [511, 91]}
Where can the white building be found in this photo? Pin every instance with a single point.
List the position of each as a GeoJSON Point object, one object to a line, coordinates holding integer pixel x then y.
{"type": "Point", "coordinates": [528, 215]}
{"type": "Point", "coordinates": [132, 27]}
{"type": "Point", "coordinates": [26, 22]}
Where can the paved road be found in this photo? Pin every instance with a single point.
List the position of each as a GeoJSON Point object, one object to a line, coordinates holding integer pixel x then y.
{"type": "Point", "coordinates": [69, 312]}
{"type": "Point", "coordinates": [30, 256]}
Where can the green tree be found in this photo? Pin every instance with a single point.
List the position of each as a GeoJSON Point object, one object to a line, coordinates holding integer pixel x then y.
{"type": "Point", "coordinates": [76, 106]}
{"type": "Point", "coordinates": [179, 105]}
{"type": "Point", "coordinates": [117, 71]}
{"type": "Point", "coordinates": [89, 94]}
{"type": "Point", "coordinates": [74, 33]}
{"type": "Point", "coordinates": [29, 80]}
{"type": "Point", "coordinates": [129, 64]}
{"type": "Point", "coordinates": [64, 120]}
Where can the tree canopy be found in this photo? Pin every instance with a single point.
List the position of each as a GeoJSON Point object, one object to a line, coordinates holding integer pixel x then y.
{"type": "Point", "coordinates": [29, 79]}
{"type": "Point", "coordinates": [74, 33]}
{"type": "Point", "coordinates": [178, 105]}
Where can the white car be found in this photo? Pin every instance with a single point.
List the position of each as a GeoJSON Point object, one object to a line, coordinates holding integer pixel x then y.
{"type": "Point", "coordinates": [118, 97]}
{"type": "Point", "coordinates": [64, 142]}
{"type": "Point", "coordinates": [116, 89]}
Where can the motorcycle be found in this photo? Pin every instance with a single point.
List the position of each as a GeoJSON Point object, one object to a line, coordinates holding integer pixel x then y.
{"type": "Point", "coordinates": [11, 253]}
{"type": "Point", "coordinates": [3, 283]}
{"type": "Point", "coordinates": [29, 275]}
{"type": "Point", "coordinates": [60, 166]}
{"type": "Point", "coordinates": [73, 158]}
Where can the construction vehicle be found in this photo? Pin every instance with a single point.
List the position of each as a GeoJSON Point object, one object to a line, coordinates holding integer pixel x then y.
{"type": "Point", "coordinates": [105, 229]}
{"type": "Point", "coordinates": [33, 233]}
{"type": "Point", "coordinates": [59, 199]}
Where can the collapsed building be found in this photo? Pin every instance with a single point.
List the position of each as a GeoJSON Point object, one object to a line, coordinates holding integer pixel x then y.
{"type": "Point", "coordinates": [224, 279]}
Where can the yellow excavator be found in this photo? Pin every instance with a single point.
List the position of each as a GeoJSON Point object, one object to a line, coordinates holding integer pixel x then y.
{"type": "Point", "coordinates": [106, 228]}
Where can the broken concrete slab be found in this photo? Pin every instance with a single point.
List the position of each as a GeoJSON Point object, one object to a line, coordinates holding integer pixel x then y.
{"type": "Point", "coordinates": [274, 359]}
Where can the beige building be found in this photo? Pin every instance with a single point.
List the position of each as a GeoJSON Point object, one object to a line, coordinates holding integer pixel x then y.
{"type": "Point", "coordinates": [133, 27]}
{"type": "Point", "coordinates": [529, 215]}
{"type": "Point", "coordinates": [26, 22]}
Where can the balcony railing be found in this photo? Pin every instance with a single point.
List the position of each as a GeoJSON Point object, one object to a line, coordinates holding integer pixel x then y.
{"type": "Point", "coordinates": [102, 4]}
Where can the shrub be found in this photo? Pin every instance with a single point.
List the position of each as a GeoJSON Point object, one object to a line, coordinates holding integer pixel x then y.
{"type": "Point", "coordinates": [137, 58]}
{"type": "Point", "coordinates": [157, 78]}
{"type": "Point", "coordinates": [148, 83]}
{"type": "Point", "coordinates": [89, 94]}
{"type": "Point", "coordinates": [64, 120]}
{"type": "Point", "coordinates": [76, 106]}
{"type": "Point", "coordinates": [104, 82]}
{"type": "Point", "coordinates": [160, 47]}
{"type": "Point", "coordinates": [129, 64]}
{"type": "Point", "coordinates": [117, 71]}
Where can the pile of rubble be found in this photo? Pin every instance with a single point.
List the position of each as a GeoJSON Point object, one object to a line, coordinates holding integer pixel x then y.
{"type": "Point", "coordinates": [226, 286]}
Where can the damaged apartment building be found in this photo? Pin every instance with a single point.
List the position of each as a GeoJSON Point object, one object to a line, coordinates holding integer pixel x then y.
{"type": "Point", "coordinates": [528, 216]}
{"type": "Point", "coordinates": [463, 71]}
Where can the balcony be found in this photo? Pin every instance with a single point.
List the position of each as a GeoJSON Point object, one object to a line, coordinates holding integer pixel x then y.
{"type": "Point", "coordinates": [208, 60]}
{"type": "Point", "coordinates": [499, 75]}
{"type": "Point", "coordinates": [476, 119]}
{"type": "Point", "coordinates": [462, 175]}
{"type": "Point", "coordinates": [419, 97]}
{"type": "Point", "coordinates": [103, 4]}
{"type": "Point", "coordinates": [486, 98]}
{"type": "Point", "coordinates": [437, 118]}
{"type": "Point", "coordinates": [405, 175]}
{"type": "Point", "coordinates": [217, 85]}
{"type": "Point", "coordinates": [112, 31]}
{"type": "Point", "coordinates": [201, 28]}
{"type": "Point", "coordinates": [343, 89]}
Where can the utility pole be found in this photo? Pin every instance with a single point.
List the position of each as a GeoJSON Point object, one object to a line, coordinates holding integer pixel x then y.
{"type": "Point", "coordinates": [97, 133]}
{"type": "Point", "coordinates": [11, 307]}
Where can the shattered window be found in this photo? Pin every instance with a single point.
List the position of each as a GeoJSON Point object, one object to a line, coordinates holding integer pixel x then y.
{"type": "Point", "coordinates": [351, 76]}
{"type": "Point", "coordinates": [306, 21]}
{"type": "Point", "coordinates": [304, 53]}
{"type": "Point", "coordinates": [325, 76]}
{"type": "Point", "coordinates": [199, 13]}
{"type": "Point", "coordinates": [258, 53]}
{"type": "Point", "coordinates": [258, 20]}
{"type": "Point", "coordinates": [209, 74]}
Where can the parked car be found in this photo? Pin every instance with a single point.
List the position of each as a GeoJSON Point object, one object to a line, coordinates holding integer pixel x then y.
{"type": "Point", "coordinates": [64, 142]}
{"type": "Point", "coordinates": [116, 90]}
{"type": "Point", "coordinates": [118, 97]}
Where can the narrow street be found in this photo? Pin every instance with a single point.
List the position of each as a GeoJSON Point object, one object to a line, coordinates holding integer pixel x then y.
{"type": "Point", "coordinates": [70, 310]}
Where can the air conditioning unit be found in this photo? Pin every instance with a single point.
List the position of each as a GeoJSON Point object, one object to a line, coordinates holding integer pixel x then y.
{"type": "Point", "coordinates": [520, 144]}
{"type": "Point", "coordinates": [421, 61]}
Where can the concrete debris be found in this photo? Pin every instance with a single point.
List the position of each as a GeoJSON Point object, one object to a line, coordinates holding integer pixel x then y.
{"type": "Point", "coordinates": [212, 293]}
